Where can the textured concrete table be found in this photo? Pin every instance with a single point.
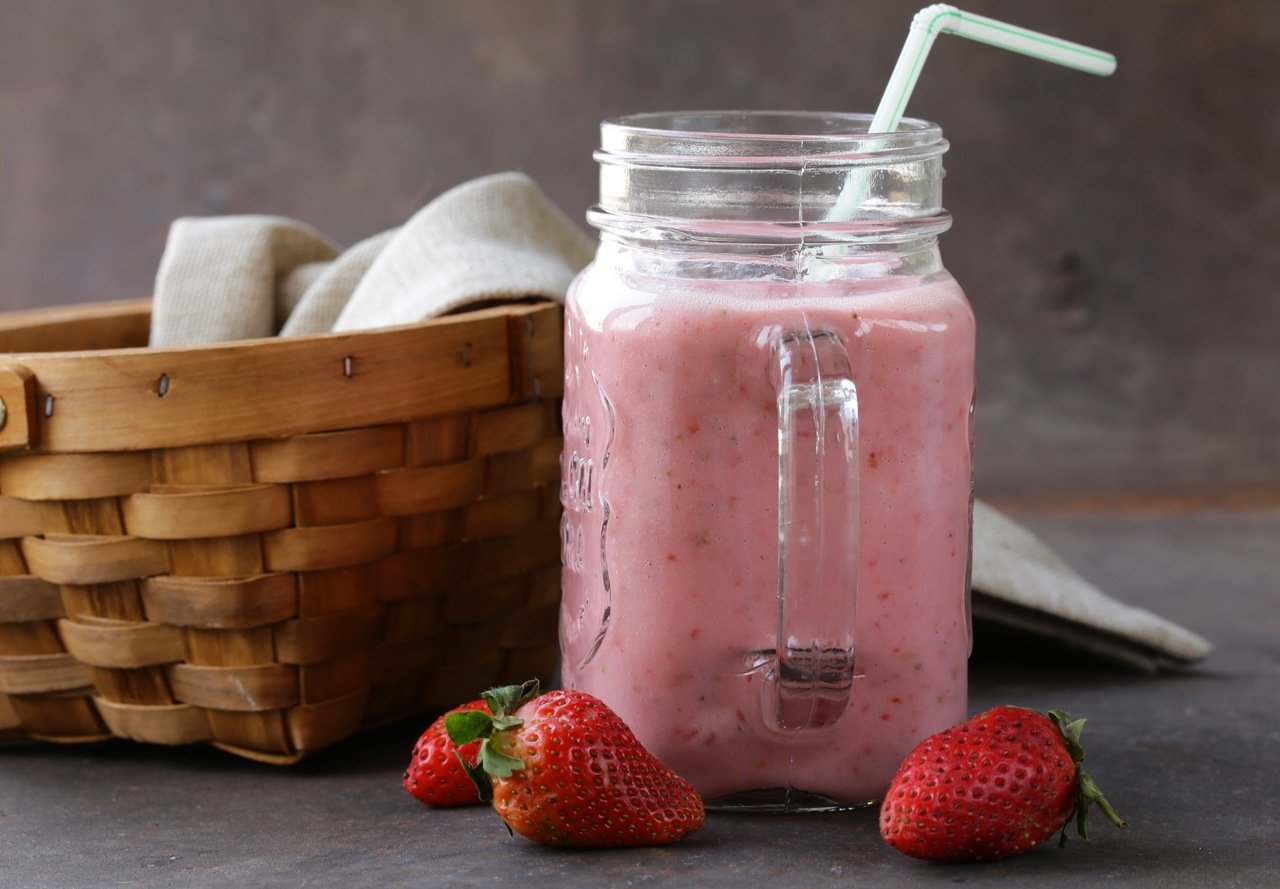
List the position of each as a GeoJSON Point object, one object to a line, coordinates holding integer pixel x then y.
{"type": "Point", "coordinates": [1191, 759]}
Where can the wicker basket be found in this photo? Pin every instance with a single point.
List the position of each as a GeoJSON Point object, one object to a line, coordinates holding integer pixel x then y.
{"type": "Point", "coordinates": [270, 545]}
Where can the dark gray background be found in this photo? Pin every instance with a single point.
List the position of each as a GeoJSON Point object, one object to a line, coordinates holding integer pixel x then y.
{"type": "Point", "coordinates": [1117, 237]}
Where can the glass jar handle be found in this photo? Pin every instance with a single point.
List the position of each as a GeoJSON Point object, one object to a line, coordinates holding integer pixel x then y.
{"type": "Point", "coordinates": [808, 685]}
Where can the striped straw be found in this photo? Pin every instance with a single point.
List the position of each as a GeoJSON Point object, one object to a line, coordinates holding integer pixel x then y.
{"type": "Point", "coordinates": [942, 18]}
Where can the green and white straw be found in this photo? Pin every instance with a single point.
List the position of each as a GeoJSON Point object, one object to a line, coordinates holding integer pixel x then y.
{"type": "Point", "coordinates": [943, 18]}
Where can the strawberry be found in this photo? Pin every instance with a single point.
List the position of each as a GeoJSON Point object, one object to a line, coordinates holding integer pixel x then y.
{"type": "Point", "coordinates": [436, 775]}
{"type": "Point", "coordinates": [997, 785]}
{"type": "Point", "coordinates": [563, 769]}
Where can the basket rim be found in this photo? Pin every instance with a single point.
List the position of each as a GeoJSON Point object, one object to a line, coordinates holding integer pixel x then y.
{"type": "Point", "coordinates": [137, 398]}
{"type": "Point", "coordinates": [14, 323]}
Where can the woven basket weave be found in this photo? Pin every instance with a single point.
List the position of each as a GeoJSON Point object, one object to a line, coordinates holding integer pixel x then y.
{"type": "Point", "coordinates": [270, 545]}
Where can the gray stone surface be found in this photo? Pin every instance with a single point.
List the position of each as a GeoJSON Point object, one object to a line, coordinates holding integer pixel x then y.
{"type": "Point", "coordinates": [1189, 758]}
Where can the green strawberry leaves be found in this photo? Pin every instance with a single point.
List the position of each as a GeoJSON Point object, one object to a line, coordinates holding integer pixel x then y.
{"type": "Point", "coordinates": [463, 728]}
{"type": "Point", "coordinates": [1071, 729]}
{"type": "Point", "coordinates": [469, 725]}
{"type": "Point", "coordinates": [1089, 792]}
{"type": "Point", "coordinates": [499, 765]}
{"type": "Point", "coordinates": [478, 777]}
{"type": "Point", "coordinates": [508, 699]}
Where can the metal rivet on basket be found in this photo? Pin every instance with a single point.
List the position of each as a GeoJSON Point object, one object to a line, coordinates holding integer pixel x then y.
{"type": "Point", "coordinates": [162, 385]}
{"type": "Point", "coordinates": [466, 354]}
{"type": "Point", "coordinates": [48, 405]}
{"type": "Point", "coordinates": [346, 367]}
{"type": "Point", "coordinates": [528, 325]}
{"type": "Point", "coordinates": [537, 386]}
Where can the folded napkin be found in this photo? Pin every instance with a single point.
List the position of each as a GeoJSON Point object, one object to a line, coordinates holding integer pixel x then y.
{"type": "Point", "coordinates": [1019, 582]}
{"type": "Point", "coordinates": [498, 237]}
{"type": "Point", "coordinates": [244, 277]}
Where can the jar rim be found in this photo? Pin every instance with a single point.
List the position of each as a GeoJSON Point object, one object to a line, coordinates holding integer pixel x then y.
{"type": "Point", "coordinates": [740, 139]}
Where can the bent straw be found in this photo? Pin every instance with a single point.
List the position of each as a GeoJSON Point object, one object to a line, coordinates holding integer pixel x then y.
{"type": "Point", "coordinates": [943, 18]}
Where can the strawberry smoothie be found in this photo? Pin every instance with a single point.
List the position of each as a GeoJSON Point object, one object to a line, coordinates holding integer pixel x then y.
{"type": "Point", "coordinates": [671, 535]}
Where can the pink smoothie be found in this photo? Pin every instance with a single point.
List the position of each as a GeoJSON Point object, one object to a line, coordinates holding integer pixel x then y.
{"type": "Point", "coordinates": [671, 519]}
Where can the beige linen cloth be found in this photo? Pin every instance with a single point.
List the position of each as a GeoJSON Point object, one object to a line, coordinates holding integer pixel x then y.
{"type": "Point", "coordinates": [244, 277]}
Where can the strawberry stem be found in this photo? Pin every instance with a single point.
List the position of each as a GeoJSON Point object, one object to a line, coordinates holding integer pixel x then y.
{"type": "Point", "coordinates": [1089, 792]}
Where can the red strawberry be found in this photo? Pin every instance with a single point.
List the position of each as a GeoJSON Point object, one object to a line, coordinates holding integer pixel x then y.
{"type": "Point", "coordinates": [563, 769]}
{"type": "Point", "coordinates": [998, 785]}
{"type": "Point", "coordinates": [435, 775]}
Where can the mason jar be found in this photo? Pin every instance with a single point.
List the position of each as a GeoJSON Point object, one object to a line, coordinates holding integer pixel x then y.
{"type": "Point", "coordinates": [767, 466]}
